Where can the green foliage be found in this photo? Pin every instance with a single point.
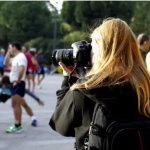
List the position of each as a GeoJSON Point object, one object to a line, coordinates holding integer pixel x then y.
{"type": "Point", "coordinates": [31, 23]}
{"type": "Point", "coordinates": [140, 22]}
{"type": "Point", "coordinates": [72, 37]}
{"type": "Point", "coordinates": [65, 28]}
{"type": "Point", "coordinates": [67, 12]}
{"type": "Point", "coordinates": [26, 21]}
{"type": "Point", "coordinates": [44, 43]}
{"type": "Point", "coordinates": [82, 14]}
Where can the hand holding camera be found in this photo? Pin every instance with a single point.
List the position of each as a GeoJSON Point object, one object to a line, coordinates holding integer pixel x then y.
{"type": "Point", "coordinates": [67, 69]}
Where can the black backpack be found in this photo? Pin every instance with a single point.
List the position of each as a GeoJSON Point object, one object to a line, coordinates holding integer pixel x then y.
{"type": "Point", "coordinates": [127, 134]}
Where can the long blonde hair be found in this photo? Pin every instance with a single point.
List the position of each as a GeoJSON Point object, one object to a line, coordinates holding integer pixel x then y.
{"type": "Point", "coordinates": [119, 60]}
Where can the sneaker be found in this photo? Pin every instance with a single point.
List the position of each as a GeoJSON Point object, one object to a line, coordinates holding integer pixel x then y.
{"type": "Point", "coordinates": [39, 86]}
{"type": "Point", "coordinates": [13, 128]}
{"type": "Point", "coordinates": [34, 123]}
{"type": "Point", "coordinates": [32, 91]}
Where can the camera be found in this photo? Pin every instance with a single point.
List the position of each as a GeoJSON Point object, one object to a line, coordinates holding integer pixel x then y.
{"type": "Point", "coordinates": [80, 55]}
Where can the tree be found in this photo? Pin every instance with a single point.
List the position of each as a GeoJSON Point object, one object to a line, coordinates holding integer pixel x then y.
{"type": "Point", "coordinates": [140, 22]}
{"type": "Point", "coordinates": [67, 12]}
{"type": "Point", "coordinates": [81, 15]}
{"type": "Point", "coordinates": [26, 22]}
{"type": "Point", "coordinates": [29, 22]}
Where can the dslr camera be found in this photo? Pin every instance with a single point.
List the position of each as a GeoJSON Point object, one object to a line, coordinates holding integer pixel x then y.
{"type": "Point", "coordinates": [79, 56]}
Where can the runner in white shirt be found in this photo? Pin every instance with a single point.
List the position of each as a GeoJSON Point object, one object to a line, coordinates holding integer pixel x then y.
{"type": "Point", "coordinates": [17, 79]}
{"type": "Point", "coordinates": [19, 60]}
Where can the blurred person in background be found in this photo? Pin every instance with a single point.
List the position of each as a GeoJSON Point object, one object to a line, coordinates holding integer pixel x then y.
{"type": "Point", "coordinates": [6, 94]}
{"type": "Point", "coordinates": [17, 87]}
{"type": "Point", "coordinates": [40, 69]}
{"type": "Point", "coordinates": [2, 66]}
{"type": "Point", "coordinates": [29, 64]}
{"type": "Point", "coordinates": [53, 69]}
{"type": "Point", "coordinates": [144, 44]}
{"type": "Point", "coordinates": [148, 61]}
{"type": "Point", "coordinates": [33, 67]}
{"type": "Point", "coordinates": [81, 71]}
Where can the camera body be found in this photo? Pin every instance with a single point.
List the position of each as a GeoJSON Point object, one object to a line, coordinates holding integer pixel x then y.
{"type": "Point", "coordinates": [80, 55]}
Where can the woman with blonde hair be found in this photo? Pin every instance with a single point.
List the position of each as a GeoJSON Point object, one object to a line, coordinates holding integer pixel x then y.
{"type": "Point", "coordinates": [118, 81]}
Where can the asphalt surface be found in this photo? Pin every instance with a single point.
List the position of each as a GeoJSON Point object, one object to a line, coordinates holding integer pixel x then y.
{"type": "Point", "coordinates": [41, 137]}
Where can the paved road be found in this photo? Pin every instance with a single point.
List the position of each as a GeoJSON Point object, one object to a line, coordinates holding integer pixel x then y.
{"type": "Point", "coordinates": [35, 138]}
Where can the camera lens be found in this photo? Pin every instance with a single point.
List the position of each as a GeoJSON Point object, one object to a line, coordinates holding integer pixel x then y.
{"type": "Point", "coordinates": [63, 55]}
{"type": "Point", "coordinates": [54, 60]}
{"type": "Point", "coordinates": [80, 55]}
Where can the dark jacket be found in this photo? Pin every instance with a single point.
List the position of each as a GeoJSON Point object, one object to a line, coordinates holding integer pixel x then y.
{"type": "Point", "coordinates": [74, 109]}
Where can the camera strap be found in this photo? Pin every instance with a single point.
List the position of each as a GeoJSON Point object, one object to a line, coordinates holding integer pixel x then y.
{"type": "Point", "coordinates": [75, 67]}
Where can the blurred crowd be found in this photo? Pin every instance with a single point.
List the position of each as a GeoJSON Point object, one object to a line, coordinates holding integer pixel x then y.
{"type": "Point", "coordinates": [36, 66]}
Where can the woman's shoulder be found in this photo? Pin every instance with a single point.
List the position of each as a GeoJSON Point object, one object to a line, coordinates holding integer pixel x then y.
{"type": "Point", "coordinates": [80, 100]}
{"type": "Point", "coordinates": [84, 79]}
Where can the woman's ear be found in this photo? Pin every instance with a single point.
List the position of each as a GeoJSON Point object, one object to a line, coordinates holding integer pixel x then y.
{"type": "Point", "coordinates": [145, 42]}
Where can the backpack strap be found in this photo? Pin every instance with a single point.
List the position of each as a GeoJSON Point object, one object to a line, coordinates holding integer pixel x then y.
{"type": "Point", "coordinates": [92, 148]}
{"type": "Point", "coordinates": [97, 105]}
{"type": "Point", "coordinates": [95, 129]}
{"type": "Point", "coordinates": [86, 140]}
{"type": "Point", "coordinates": [75, 147]}
{"type": "Point", "coordinates": [94, 115]}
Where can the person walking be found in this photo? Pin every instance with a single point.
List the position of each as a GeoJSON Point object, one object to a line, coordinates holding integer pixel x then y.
{"type": "Point", "coordinates": [2, 57]}
{"type": "Point", "coordinates": [17, 87]}
{"type": "Point", "coordinates": [33, 67]}
{"type": "Point", "coordinates": [40, 69]}
{"type": "Point", "coordinates": [144, 44]}
{"type": "Point", "coordinates": [6, 94]}
{"type": "Point", "coordinates": [29, 64]}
